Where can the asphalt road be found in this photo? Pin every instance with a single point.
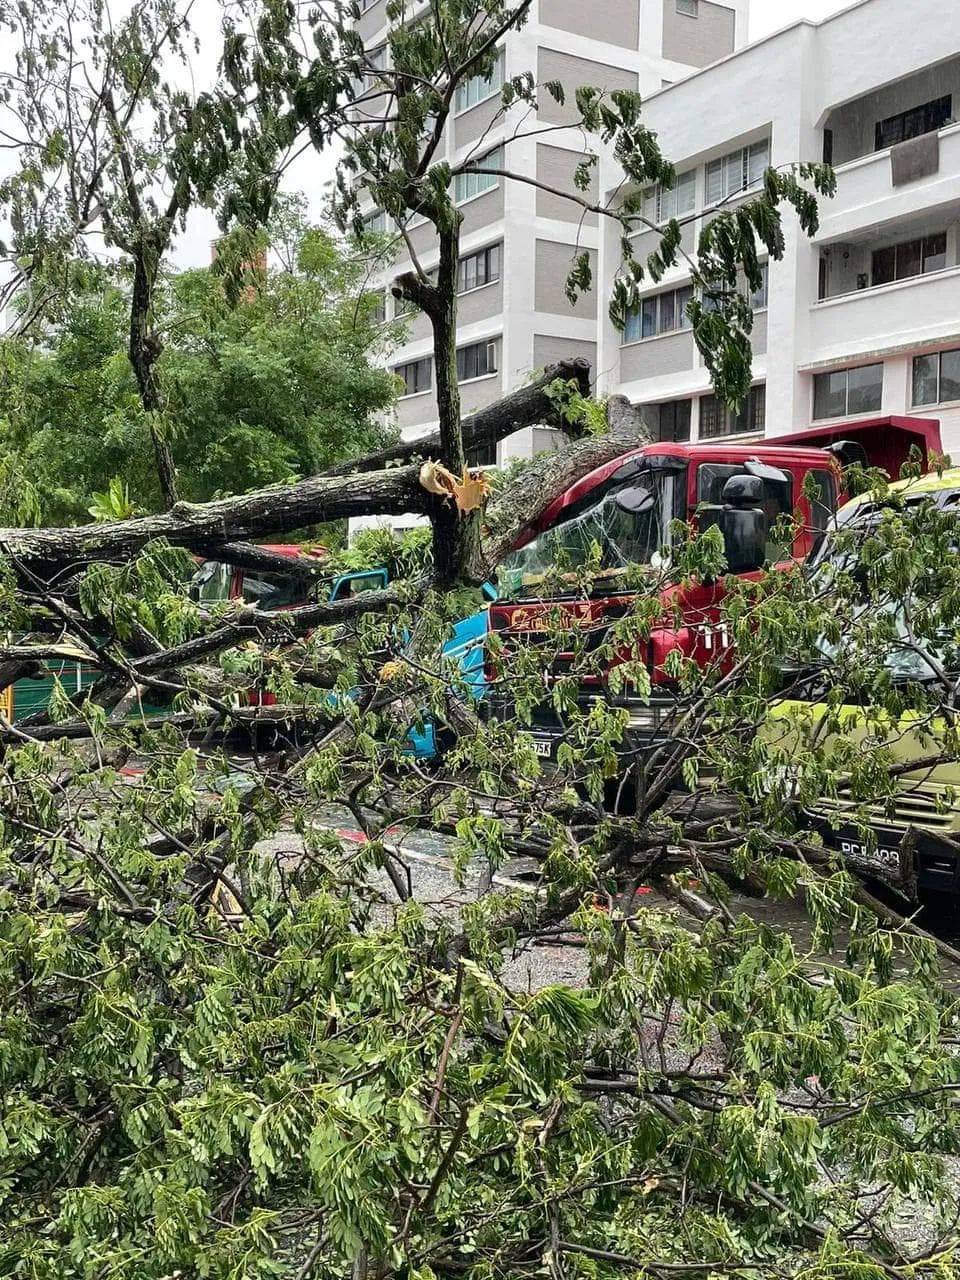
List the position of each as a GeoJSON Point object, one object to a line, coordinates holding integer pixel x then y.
{"type": "Point", "coordinates": [427, 860]}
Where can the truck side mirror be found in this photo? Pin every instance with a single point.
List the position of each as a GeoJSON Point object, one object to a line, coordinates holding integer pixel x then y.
{"type": "Point", "coordinates": [763, 471]}
{"type": "Point", "coordinates": [742, 491]}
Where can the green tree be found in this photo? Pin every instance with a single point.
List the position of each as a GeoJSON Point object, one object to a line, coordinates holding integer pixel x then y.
{"type": "Point", "coordinates": [231, 1058]}
{"type": "Point", "coordinates": [114, 148]}
{"type": "Point", "coordinates": [278, 382]}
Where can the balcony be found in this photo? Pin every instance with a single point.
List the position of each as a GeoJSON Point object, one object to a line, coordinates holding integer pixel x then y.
{"type": "Point", "coordinates": [902, 315]}
{"type": "Point", "coordinates": [923, 245]}
{"type": "Point", "coordinates": [918, 104]}
{"type": "Point", "coordinates": [866, 194]}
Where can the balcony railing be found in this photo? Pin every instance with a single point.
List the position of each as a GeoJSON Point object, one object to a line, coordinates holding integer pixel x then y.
{"type": "Point", "coordinates": [887, 317]}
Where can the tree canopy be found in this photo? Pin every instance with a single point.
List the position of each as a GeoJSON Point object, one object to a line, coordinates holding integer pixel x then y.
{"type": "Point", "coordinates": [279, 382]}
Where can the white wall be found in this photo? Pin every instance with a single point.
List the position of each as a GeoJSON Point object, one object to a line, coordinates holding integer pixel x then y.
{"type": "Point", "coordinates": [789, 84]}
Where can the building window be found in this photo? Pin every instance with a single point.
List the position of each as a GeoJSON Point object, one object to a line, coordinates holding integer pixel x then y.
{"type": "Point", "coordinates": [737, 171]}
{"type": "Point", "coordinates": [660, 203]}
{"type": "Point", "coordinates": [936, 378]}
{"type": "Point", "coordinates": [758, 298]}
{"type": "Point", "coordinates": [376, 222]}
{"type": "Point", "coordinates": [482, 455]}
{"type": "Point", "coordinates": [378, 307]}
{"type": "Point", "coordinates": [689, 8]}
{"type": "Point", "coordinates": [376, 60]}
{"type": "Point", "coordinates": [477, 88]}
{"type": "Point", "coordinates": [469, 183]}
{"type": "Point", "coordinates": [366, 4]}
{"type": "Point", "coordinates": [846, 392]}
{"type": "Point", "coordinates": [912, 258]}
{"type": "Point", "coordinates": [477, 269]}
{"type": "Point", "coordinates": [476, 361]}
{"type": "Point", "coordinates": [926, 118]}
{"type": "Point", "coordinates": [660, 313]}
{"type": "Point", "coordinates": [417, 375]}
{"type": "Point", "coordinates": [669, 421]}
{"type": "Point", "coordinates": [718, 419]}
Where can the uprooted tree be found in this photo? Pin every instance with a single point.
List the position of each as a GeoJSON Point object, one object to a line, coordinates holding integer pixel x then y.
{"type": "Point", "coordinates": [235, 1046]}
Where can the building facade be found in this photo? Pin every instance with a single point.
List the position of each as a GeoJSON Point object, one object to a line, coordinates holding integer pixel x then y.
{"type": "Point", "coordinates": [519, 242]}
{"type": "Point", "coordinates": [861, 320]}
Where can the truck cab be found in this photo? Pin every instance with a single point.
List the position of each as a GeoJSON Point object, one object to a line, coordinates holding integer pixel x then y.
{"type": "Point", "coordinates": [624, 513]}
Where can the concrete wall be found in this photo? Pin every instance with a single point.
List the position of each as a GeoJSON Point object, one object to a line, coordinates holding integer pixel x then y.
{"type": "Point", "coordinates": [372, 21]}
{"type": "Point", "coordinates": [549, 350]}
{"type": "Point", "coordinates": [482, 211]}
{"type": "Point", "coordinates": [649, 241]}
{"type": "Point", "coordinates": [474, 123]}
{"type": "Point", "coordinates": [480, 304]}
{"type": "Point", "coordinates": [418, 326]}
{"type": "Point", "coordinates": [615, 21]}
{"type": "Point", "coordinates": [572, 72]}
{"type": "Point", "coordinates": [415, 411]}
{"type": "Point", "coordinates": [654, 357]}
{"type": "Point", "coordinates": [701, 40]}
{"type": "Point", "coordinates": [758, 339]}
{"type": "Point", "coordinates": [423, 238]}
{"type": "Point", "coordinates": [554, 262]}
{"type": "Point", "coordinates": [556, 167]}
{"type": "Point", "coordinates": [481, 391]}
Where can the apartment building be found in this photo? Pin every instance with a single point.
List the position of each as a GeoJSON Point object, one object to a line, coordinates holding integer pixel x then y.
{"type": "Point", "coordinates": [518, 243]}
{"type": "Point", "coordinates": [862, 320]}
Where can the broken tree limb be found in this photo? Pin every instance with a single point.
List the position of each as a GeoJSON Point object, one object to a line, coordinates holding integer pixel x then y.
{"type": "Point", "coordinates": [207, 526]}
{"type": "Point", "coordinates": [528, 495]}
{"type": "Point", "coordinates": [527, 406]}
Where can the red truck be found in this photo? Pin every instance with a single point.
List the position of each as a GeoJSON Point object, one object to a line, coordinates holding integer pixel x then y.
{"type": "Point", "coordinates": [626, 508]}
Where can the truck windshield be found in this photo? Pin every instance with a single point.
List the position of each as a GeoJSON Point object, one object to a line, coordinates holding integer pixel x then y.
{"type": "Point", "coordinates": [605, 535]}
{"type": "Point", "coordinates": [211, 582]}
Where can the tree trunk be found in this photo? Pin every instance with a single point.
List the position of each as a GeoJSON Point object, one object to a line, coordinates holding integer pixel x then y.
{"type": "Point", "coordinates": [205, 528]}
{"type": "Point", "coordinates": [208, 528]}
{"type": "Point", "coordinates": [456, 534]}
{"type": "Point", "coordinates": [144, 351]}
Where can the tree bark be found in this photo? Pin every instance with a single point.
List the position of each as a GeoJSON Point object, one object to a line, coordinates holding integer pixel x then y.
{"type": "Point", "coordinates": [456, 534]}
{"type": "Point", "coordinates": [524, 407]}
{"type": "Point", "coordinates": [210, 528]}
{"type": "Point", "coordinates": [205, 528]}
{"type": "Point", "coordinates": [144, 351]}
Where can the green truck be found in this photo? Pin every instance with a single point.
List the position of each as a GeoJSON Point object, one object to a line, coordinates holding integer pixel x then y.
{"type": "Point", "coordinates": [909, 835]}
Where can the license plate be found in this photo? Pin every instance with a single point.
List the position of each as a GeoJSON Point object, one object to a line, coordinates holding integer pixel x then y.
{"type": "Point", "coordinates": [881, 857]}
{"type": "Point", "coordinates": [543, 747]}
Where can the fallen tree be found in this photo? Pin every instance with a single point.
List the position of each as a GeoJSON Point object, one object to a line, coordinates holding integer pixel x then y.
{"type": "Point", "coordinates": [240, 1039]}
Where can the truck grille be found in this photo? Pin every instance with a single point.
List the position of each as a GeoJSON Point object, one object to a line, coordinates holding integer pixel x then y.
{"type": "Point", "coordinates": [913, 807]}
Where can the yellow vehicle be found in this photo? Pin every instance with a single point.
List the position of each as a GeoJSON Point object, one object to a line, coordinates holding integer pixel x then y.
{"type": "Point", "coordinates": [904, 827]}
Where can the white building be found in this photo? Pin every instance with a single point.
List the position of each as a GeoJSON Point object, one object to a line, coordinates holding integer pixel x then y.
{"type": "Point", "coordinates": [519, 243]}
{"type": "Point", "coordinates": [864, 319]}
